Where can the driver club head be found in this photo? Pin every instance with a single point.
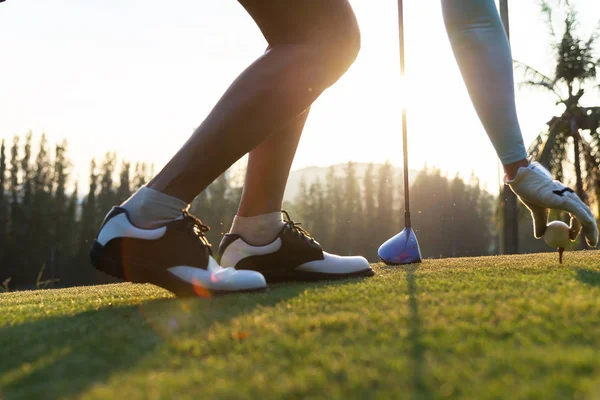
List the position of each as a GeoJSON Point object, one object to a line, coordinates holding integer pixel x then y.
{"type": "Point", "coordinates": [401, 249]}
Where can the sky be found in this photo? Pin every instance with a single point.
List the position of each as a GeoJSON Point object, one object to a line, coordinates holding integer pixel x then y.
{"type": "Point", "coordinates": [137, 77]}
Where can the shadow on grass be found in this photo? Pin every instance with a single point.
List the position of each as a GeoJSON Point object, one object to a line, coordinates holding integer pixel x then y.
{"type": "Point", "coordinates": [64, 356]}
{"type": "Point", "coordinates": [588, 276]}
{"type": "Point", "coordinates": [417, 348]}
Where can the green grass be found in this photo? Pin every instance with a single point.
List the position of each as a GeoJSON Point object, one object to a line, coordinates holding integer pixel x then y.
{"type": "Point", "coordinates": [519, 327]}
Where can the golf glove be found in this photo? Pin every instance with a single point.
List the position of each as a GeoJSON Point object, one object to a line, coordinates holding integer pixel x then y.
{"type": "Point", "coordinates": [539, 192]}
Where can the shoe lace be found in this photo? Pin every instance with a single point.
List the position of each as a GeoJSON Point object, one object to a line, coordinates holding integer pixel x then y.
{"type": "Point", "coordinates": [295, 226]}
{"type": "Point", "coordinates": [197, 228]}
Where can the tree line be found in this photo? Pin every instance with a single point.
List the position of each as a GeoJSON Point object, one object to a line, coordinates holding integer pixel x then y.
{"type": "Point", "coordinates": [47, 225]}
{"type": "Point", "coordinates": [451, 218]}
{"type": "Point", "coordinates": [49, 222]}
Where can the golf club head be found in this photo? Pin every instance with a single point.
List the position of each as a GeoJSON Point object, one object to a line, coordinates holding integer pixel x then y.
{"type": "Point", "coordinates": [401, 249]}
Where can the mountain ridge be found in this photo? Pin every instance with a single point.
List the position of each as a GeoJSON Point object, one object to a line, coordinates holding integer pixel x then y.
{"type": "Point", "coordinates": [311, 173]}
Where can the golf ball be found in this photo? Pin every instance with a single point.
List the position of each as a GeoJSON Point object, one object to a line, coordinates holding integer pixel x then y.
{"type": "Point", "coordinates": [557, 234]}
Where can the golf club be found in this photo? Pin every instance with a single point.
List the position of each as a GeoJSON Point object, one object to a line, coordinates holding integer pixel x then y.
{"type": "Point", "coordinates": [404, 247]}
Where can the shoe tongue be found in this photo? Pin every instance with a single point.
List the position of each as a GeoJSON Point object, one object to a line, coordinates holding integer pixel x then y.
{"type": "Point", "coordinates": [183, 216]}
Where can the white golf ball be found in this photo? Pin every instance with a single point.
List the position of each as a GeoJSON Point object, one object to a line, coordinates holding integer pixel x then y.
{"type": "Point", "coordinates": [557, 234]}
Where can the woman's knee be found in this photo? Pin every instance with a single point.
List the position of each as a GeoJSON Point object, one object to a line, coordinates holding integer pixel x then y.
{"type": "Point", "coordinates": [335, 51]}
{"type": "Point", "coordinates": [321, 38]}
{"type": "Point", "coordinates": [345, 49]}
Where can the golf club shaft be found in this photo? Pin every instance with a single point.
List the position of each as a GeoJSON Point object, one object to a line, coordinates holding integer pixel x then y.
{"type": "Point", "coordinates": [407, 223]}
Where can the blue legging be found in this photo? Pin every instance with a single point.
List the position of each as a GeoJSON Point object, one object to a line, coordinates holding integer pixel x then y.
{"type": "Point", "coordinates": [482, 51]}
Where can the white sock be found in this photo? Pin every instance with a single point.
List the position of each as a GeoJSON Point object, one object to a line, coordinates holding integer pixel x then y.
{"type": "Point", "coordinates": [259, 229]}
{"type": "Point", "coordinates": [150, 209]}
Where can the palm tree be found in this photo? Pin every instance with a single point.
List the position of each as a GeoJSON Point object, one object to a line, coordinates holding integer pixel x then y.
{"type": "Point", "coordinates": [576, 128]}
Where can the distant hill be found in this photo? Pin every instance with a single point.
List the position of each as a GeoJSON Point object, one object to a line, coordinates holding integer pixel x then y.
{"type": "Point", "coordinates": [310, 174]}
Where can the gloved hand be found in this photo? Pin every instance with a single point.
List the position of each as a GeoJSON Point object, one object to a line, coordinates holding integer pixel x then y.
{"type": "Point", "coordinates": [539, 192]}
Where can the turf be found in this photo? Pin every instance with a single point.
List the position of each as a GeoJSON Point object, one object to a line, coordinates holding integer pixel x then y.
{"type": "Point", "coordinates": [519, 327]}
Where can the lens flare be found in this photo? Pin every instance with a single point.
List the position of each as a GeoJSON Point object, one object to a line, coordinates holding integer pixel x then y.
{"type": "Point", "coordinates": [200, 290]}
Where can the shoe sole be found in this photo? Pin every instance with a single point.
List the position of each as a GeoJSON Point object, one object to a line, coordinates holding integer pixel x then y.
{"type": "Point", "coordinates": [280, 276]}
{"type": "Point", "coordinates": [136, 271]}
